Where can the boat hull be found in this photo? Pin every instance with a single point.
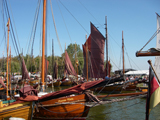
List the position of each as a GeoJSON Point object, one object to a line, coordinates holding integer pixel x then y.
{"type": "Point", "coordinates": [110, 89]}
{"type": "Point", "coordinates": [55, 84]}
{"type": "Point", "coordinates": [66, 83]}
{"type": "Point", "coordinates": [22, 110]}
{"type": "Point", "coordinates": [71, 107]}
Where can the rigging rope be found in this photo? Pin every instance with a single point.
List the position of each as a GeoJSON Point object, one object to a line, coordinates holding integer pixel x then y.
{"type": "Point", "coordinates": [158, 30]}
{"type": "Point", "coordinates": [12, 32]}
{"type": "Point", "coordinates": [56, 28]}
{"type": "Point", "coordinates": [14, 24]}
{"type": "Point", "coordinates": [64, 22]}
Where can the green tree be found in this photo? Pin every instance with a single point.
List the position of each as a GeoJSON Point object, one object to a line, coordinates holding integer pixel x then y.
{"type": "Point", "coordinates": [79, 55]}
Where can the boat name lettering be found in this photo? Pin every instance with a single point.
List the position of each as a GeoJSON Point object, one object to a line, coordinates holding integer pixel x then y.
{"type": "Point", "coordinates": [64, 100]}
{"type": "Point", "coordinates": [70, 99]}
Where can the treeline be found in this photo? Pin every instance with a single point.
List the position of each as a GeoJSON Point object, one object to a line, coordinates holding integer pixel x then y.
{"type": "Point", "coordinates": [33, 64]}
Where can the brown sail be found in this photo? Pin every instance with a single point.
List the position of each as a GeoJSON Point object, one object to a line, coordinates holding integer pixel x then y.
{"type": "Point", "coordinates": [69, 69]}
{"type": "Point", "coordinates": [25, 74]}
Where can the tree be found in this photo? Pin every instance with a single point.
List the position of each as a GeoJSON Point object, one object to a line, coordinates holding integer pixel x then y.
{"type": "Point", "coordinates": [79, 55]}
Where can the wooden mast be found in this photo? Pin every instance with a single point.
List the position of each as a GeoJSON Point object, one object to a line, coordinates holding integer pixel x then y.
{"type": "Point", "coordinates": [64, 62]}
{"type": "Point", "coordinates": [87, 57]}
{"type": "Point", "coordinates": [123, 53]}
{"type": "Point", "coordinates": [107, 67]}
{"type": "Point", "coordinates": [43, 43]}
{"type": "Point", "coordinates": [8, 24]}
{"type": "Point", "coordinates": [10, 72]}
{"type": "Point", "coordinates": [76, 63]}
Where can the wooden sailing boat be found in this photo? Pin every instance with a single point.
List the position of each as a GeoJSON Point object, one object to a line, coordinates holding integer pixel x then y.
{"type": "Point", "coordinates": [14, 109]}
{"type": "Point", "coordinates": [69, 70]}
{"type": "Point", "coordinates": [95, 44]}
{"type": "Point", "coordinates": [60, 110]}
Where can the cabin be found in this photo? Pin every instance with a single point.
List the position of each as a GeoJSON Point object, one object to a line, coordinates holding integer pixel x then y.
{"type": "Point", "coordinates": [120, 71]}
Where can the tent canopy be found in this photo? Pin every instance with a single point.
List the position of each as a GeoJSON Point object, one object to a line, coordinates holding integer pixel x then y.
{"type": "Point", "coordinates": [138, 72]}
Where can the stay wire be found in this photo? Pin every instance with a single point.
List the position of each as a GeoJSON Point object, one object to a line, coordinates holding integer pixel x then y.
{"type": "Point", "coordinates": [7, 16]}
{"type": "Point", "coordinates": [64, 22]}
{"type": "Point", "coordinates": [12, 28]}
{"type": "Point", "coordinates": [14, 24]}
{"type": "Point", "coordinates": [158, 30]}
{"type": "Point", "coordinates": [34, 27]}
{"type": "Point", "coordinates": [55, 27]}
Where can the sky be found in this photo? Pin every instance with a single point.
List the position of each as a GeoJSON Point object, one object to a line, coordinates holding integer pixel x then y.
{"type": "Point", "coordinates": [136, 18]}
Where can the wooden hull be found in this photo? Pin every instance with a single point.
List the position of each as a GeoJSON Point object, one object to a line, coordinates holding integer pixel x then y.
{"type": "Point", "coordinates": [66, 83]}
{"type": "Point", "coordinates": [131, 87]}
{"type": "Point", "coordinates": [33, 82]}
{"type": "Point", "coordinates": [55, 84]}
{"type": "Point", "coordinates": [110, 89]}
{"type": "Point", "coordinates": [19, 110]}
{"type": "Point", "coordinates": [61, 109]}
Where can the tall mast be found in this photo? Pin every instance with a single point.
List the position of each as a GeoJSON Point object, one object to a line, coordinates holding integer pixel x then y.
{"type": "Point", "coordinates": [53, 60]}
{"type": "Point", "coordinates": [106, 46]}
{"type": "Point", "coordinates": [64, 62]}
{"type": "Point", "coordinates": [87, 57]}
{"type": "Point", "coordinates": [10, 72]}
{"type": "Point", "coordinates": [43, 43]}
{"type": "Point", "coordinates": [76, 63]}
{"type": "Point", "coordinates": [123, 53]}
{"type": "Point", "coordinates": [8, 24]}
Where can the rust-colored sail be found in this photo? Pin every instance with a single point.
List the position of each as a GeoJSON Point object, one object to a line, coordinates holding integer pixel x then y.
{"type": "Point", "coordinates": [97, 52]}
{"type": "Point", "coordinates": [69, 69]}
{"type": "Point", "coordinates": [25, 74]}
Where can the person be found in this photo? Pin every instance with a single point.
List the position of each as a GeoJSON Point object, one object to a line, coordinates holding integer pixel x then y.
{"type": "Point", "coordinates": [2, 83]}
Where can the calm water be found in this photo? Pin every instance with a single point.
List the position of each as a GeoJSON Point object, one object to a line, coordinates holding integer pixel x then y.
{"type": "Point", "coordinates": [126, 110]}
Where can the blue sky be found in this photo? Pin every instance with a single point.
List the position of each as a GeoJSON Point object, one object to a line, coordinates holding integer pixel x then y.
{"type": "Point", "coordinates": [136, 18]}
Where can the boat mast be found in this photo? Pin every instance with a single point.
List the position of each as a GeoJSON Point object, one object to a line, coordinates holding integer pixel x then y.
{"type": "Point", "coordinates": [107, 47]}
{"type": "Point", "coordinates": [43, 43]}
{"type": "Point", "coordinates": [10, 72]}
{"type": "Point", "coordinates": [87, 57]}
{"type": "Point", "coordinates": [123, 53]}
{"type": "Point", "coordinates": [76, 63]}
{"type": "Point", "coordinates": [8, 24]}
{"type": "Point", "coordinates": [64, 62]}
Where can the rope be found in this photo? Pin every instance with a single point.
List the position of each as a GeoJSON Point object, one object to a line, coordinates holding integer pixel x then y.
{"type": "Point", "coordinates": [56, 28]}
{"type": "Point", "coordinates": [115, 100]}
{"type": "Point", "coordinates": [64, 22]}
{"type": "Point", "coordinates": [12, 32]}
{"type": "Point", "coordinates": [158, 30]}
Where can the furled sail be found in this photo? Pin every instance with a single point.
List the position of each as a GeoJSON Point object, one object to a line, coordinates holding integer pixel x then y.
{"type": "Point", "coordinates": [55, 74]}
{"type": "Point", "coordinates": [157, 58]}
{"type": "Point", "coordinates": [88, 45]}
{"type": "Point", "coordinates": [25, 74]}
{"type": "Point", "coordinates": [108, 71]}
{"type": "Point", "coordinates": [97, 52]}
{"type": "Point", "coordinates": [69, 69]}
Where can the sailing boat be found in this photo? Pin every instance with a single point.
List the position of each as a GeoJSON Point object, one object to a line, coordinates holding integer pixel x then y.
{"type": "Point", "coordinates": [10, 108]}
{"type": "Point", "coordinates": [53, 110]}
{"type": "Point", "coordinates": [95, 52]}
{"type": "Point", "coordinates": [69, 70]}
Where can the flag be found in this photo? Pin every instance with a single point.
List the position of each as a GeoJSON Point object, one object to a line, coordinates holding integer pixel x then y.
{"type": "Point", "coordinates": [153, 97]}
